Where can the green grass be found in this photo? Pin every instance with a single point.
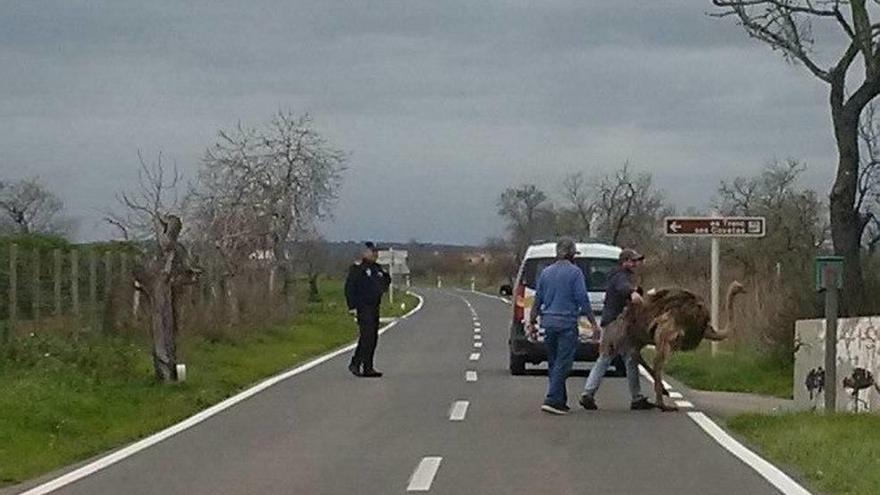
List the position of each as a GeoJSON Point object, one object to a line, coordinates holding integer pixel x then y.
{"type": "Point", "coordinates": [741, 371]}
{"type": "Point", "coordinates": [837, 453]}
{"type": "Point", "coordinates": [62, 402]}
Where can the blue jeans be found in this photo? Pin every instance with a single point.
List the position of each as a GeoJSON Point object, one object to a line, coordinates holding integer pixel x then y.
{"type": "Point", "coordinates": [631, 360]}
{"type": "Point", "coordinates": [561, 344]}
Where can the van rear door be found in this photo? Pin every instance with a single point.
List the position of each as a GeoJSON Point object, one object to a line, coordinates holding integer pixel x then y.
{"type": "Point", "coordinates": [596, 271]}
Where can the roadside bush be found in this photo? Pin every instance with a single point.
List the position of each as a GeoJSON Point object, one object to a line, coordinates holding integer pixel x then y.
{"type": "Point", "coordinates": [97, 357]}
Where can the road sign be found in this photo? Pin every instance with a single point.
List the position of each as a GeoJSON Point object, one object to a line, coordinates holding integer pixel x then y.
{"type": "Point", "coordinates": [716, 226]}
{"type": "Point", "coordinates": [395, 260]}
{"type": "Point", "coordinates": [829, 272]}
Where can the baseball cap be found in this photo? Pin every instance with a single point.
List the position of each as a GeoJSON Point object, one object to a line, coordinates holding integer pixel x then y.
{"type": "Point", "coordinates": [630, 255]}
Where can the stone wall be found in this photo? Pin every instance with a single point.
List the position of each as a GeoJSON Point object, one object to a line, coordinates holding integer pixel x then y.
{"type": "Point", "coordinates": [858, 363]}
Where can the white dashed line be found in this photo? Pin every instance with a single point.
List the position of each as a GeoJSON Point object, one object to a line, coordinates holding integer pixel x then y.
{"type": "Point", "coordinates": [478, 344]}
{"type": "Point", "coordinates": [770, 472]}
{"type": "Point", "coordinates": [475, 356]}
{"type": "Point", "coordinates": [470, 376]}
{"type": "Point", "coordinates": [477, 324]}
{"type": "Point", "coordinates": [675, 395]}
{"type": "Point", "coordinates": [459, 410]}
{"type": "Point", "coordinates": [423, 476]}
{"type": "Point", "coordinates": [477, 337]}
{"type": "Point", "coordinates": [477, 330]}
{"type": "Point", "coordinates": [685, 404]}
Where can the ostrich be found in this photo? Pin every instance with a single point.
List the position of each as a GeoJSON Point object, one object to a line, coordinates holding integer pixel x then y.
{"type": "Point", "coordinates": [671, 319]}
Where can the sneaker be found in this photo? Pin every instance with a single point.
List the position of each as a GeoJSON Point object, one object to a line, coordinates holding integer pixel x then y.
{"type": "Point", "coordinates": [371, 374]}
{"type": "Point", "coordinates": [559, 410]}
{"type": "Point", "coordinates": [641, 404]}
{"type": "Point", "coordinates": [588, 403]}
{"type": "Point", "coordinates": [355, 369]}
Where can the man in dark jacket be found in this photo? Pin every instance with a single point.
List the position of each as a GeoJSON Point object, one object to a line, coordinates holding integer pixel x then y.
{"type": "Point", "coordinates": [364, 287]}
{"type": "Point", "coordinates": [621, 290]}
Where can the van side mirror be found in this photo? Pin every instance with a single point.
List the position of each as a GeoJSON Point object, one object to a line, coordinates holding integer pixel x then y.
{"type": "Point", "coordinates": [506, 290]}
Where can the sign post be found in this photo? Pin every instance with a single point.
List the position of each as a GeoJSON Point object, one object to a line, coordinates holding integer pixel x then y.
{"type": "Point", "coordinates": [829, 278]}
{"type": "Point", "coordinates": [395, 260]}
{"type": "Point", "coordinates": [716, 287]}
{"type": "Point", "coordinates": [391, 276]}
{"type": "Point", "coordinates": [715, 228]}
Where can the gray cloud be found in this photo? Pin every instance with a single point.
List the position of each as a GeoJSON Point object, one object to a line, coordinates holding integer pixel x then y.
{"type": "Point", "coordinates": [441, 104]}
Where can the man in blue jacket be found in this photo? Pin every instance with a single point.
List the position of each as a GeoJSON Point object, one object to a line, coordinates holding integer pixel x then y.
{"type": "Point", "coordinates": [561, 298]}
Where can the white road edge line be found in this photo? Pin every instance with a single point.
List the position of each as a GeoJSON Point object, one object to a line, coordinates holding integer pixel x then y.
{"type": "Point", "coordinates": [423, 476]}
{"type": "Point", "coordinates": [470, 376]}
{"type": "Point", "coordinates": [497, 298]}
{"type": "Point", "coordinates": [113, 458]}
{"type": "Point", "coordinates": [675, 395]}
{"type": "Point", "coordinates": [768, 471]}
{"type": "Point", "coordinates": [475, 356]}
{"type": "Point", "coordinates": [459, 410]}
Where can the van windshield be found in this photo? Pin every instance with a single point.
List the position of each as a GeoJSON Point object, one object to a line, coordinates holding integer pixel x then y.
{"type": "Point", "coordinates": [596, 270]}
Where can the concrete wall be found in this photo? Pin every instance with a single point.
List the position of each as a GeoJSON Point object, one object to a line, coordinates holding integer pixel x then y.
{"type": "Point", "coordinates": [858, 346]}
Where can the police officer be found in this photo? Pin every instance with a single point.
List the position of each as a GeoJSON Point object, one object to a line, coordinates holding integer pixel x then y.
{"type": "Point", "coordinates": [366, 283]}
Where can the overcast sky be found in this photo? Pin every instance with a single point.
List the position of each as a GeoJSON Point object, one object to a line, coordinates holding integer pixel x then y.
{"type": "Point", "coordinates": [441, 104]}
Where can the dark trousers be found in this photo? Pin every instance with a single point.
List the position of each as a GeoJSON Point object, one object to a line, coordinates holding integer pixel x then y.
{"type": "Point", "coordinates": [368, 326]}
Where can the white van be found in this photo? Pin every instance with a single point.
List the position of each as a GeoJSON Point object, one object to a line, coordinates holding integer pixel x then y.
{"type": "Point", "coordinates": [597, 261]}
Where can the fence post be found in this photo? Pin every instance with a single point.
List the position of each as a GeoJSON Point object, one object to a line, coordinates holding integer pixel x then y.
{"type": "Point", "coordinates": [57, 275]}
{"type": "Point", "coordinates": [13, 292]}
{"type": "Point", "coordinates": [93, 289]}
{"type": "Point", "coordinates": [37, 293]}
{"type": "Point", "coordinates": [74, 282]}
{"type": "Point", "coordinates": [125, 283]}
{"type": "Point", "coordinates": [107, 323]}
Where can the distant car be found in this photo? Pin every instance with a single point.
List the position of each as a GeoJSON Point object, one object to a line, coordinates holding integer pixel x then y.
{"type": "Point", "coordinates": [596, 261]}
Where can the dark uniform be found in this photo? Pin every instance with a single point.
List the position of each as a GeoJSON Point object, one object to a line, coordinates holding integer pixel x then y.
{"type": "Point", "coordinates": [364, 287]}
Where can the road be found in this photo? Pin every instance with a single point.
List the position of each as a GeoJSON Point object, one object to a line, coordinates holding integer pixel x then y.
{"type": "Point", "coordinates": [326, 432]}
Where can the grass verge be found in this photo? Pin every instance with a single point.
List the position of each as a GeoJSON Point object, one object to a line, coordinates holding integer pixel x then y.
{"type": "Point", "coordinates": [837, 453]}
{"type": "Point", "coordinates": [63, 402]}
{"type": "Point", "coordinates": [728, 371]}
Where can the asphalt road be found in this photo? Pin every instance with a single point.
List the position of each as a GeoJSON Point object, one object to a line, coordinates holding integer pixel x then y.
{"type": "Point", "coordinates": [326, 432]}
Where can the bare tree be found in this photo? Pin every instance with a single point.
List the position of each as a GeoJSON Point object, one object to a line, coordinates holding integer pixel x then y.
{"type": "Point", "coordinates": [30, 206]}
{"type": "Point", "coordinates": [284, 175]}
{"type": "Point", "coordinates": [231, 222]}
{"type": "Point", "coordinates": [795, 228]}
{"type": "Point", "coordinates": [627, 206]}
{"type": "Point", "coordinates": [868, 196]}
{"type": "Point", "coordinates": [528, 214]}
{"type": "Point", "coordinates": [165, 265]}
{"type": "Point", "coordinates": [787, 26]}
{"type": "Point", "coordinates": [580, 205]}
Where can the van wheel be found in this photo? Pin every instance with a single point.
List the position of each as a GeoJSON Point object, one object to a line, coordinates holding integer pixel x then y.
{"type": "Point", "coordinates": [517, 365]}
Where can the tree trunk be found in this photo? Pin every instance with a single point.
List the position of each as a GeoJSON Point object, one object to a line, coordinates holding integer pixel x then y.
{"type": "Point", "coordinates": [164, 329]}
{"type": "Point", "coordinates": [846, 222]}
